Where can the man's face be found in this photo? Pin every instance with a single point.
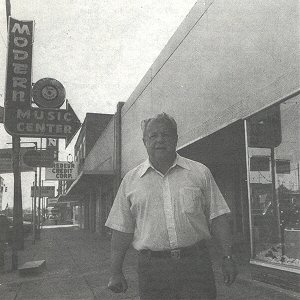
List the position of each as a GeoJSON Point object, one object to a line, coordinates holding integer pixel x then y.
{"type": "Point", "coordinates": [160, 141]}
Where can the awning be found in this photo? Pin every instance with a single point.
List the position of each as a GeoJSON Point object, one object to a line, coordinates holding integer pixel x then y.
{"type": "Point", "coordinates": [64, 198]}
{"type": "Point", "coordinates": [67, 203]}
{"type": "Point", "coordinates": [85, 182]}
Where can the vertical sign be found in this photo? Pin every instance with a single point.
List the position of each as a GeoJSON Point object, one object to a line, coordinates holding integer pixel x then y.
{"type": "Point", "coordinates": [52, 146]}
{"type": "Point", "coordinates": [20, 119]}
{"type": "Point", "coordinates": [19, 65]}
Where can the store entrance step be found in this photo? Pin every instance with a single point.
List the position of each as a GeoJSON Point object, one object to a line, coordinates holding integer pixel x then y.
{"type": "Point", "coordinates": [32, 267]}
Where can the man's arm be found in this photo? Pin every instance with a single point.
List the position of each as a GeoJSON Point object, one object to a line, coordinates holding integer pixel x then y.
{"type": "Point", "coordinates": [221, 231]}
{"type": "Point", "coordinates": [120, 243]}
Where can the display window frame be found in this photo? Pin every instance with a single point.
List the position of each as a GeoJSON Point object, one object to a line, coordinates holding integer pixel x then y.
{"type": "Point", "coordinates": [273, 168]}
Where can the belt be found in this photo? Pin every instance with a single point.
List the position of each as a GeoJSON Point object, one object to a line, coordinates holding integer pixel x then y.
{"type": "Point", "coordinates": [178, 252]}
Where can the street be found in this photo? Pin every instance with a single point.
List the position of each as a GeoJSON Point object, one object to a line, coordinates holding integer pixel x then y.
{"type": "Point", "coordinates": [77, 267]}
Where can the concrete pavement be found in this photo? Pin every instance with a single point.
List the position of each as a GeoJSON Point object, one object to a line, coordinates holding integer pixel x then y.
{"type": "Point", "coordinates": [77, 267]}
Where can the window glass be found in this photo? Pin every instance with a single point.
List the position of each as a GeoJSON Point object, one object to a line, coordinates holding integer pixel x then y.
{"type": "Point", "coordinates": [274, 175]}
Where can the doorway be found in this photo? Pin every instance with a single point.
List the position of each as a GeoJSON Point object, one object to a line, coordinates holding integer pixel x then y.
{"type": "Point", "coordinates": [224, 153]}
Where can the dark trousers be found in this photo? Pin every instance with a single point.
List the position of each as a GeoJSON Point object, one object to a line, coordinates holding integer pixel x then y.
{"type": "Point", "coordinates": [189, 277]}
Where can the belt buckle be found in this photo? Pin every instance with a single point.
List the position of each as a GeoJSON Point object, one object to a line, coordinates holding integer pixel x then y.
{"type": "Point", "coordinates": [175, 254]}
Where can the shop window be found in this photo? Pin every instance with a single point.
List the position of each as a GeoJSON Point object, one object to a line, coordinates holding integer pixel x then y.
{"type": "Point", "coordinates": [259, 163]}
{"type": "Point", "coordinates": [274, 181]}
{"type": "Point", "coordinates": [283, 166]}
{"type": "Point", "coordinates": [265, 128]}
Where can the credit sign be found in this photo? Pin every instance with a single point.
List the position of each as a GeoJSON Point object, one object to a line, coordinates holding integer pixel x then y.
{"type": "Point", "coordinates": [61, 170]}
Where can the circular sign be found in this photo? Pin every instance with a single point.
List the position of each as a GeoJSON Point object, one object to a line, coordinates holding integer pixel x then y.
{"type": "Point", "coordinates": [48, 93]}
{"type": "Point", "coordinates": [32, 158]}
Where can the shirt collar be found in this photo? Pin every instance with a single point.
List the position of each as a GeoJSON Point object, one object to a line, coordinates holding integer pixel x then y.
{"type": "Point", "coordinates": [179, 160]}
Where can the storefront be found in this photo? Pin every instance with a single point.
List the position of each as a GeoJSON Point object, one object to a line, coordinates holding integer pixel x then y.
{"type": "Point", "coordinates": [273, 156]}
{"type": "Point", "coordinates": [96, 184]}
{"type": "Point", "coordinates": [230, 77]}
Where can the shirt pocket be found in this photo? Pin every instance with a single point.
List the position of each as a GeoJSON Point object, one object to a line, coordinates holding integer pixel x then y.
{"type": "Point", "coordinates": [191, 200]}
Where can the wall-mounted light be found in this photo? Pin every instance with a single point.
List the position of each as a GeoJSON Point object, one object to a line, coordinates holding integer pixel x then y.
{"type": "Point", "coordinates": [70, 158]}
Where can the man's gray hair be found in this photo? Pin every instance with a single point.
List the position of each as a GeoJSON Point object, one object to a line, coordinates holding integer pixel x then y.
{"type": "Point", "coordinates": [160, 117]}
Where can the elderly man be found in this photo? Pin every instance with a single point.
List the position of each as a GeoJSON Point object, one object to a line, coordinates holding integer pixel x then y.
{"type": "Point", "coordinates": [167, 207]}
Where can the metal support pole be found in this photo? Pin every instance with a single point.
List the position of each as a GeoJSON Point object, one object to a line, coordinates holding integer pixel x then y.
{"type": "Point", "coordinates": [252, 241]}
{"type": "Point", "coordinates": [118, 145]}
{"type": "Point", "coordinates": [42, 211]}
{"type": "Point", "coordinates": [18, 236]}
{"type": "Point", "coordinates": [43, 207]}
{"type": "Point", "coordinates": [298, 175]}
{"type": "Point", "coordinates": [277, 227]}
{"type": "Point", "coordinates": [32, 213]}
{"type": "Point", "coordinates": [34, 206]}
{"type": "Point", "coordinates": [40, 196]}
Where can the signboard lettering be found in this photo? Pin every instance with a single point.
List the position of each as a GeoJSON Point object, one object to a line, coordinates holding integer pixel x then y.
{"type": "Point", "coordinates": [61, 170]}
{"type": "Point", "coordinates": [19, 117]}
{"type": "Point", "coordinates": [51, 202]}
{"type": "Point", "coordinates": [19, 62]}
{"type": "Point", "coordinates": [51, 143]}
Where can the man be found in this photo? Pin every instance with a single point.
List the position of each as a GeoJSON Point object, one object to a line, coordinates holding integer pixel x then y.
{"type": "Point", "coordinates": [166, 207]}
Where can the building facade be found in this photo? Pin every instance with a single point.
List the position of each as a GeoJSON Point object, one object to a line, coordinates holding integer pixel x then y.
{"type": "Point", "coordinates": [82, 192]}
{"type": "Point", "coordinates": [230, 77]}
{"type": "Point", "coordinates": [1, 191]}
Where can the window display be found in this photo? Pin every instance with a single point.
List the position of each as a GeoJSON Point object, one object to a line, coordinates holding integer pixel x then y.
{"type": "Point", "coordinates": [274, 181]}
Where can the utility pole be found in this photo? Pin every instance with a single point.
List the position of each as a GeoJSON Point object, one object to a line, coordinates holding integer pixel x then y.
{"type": "Point", "coordinates": [18, 236]}
{"type": "Point", "coordinates": [18, 209]}
{"type": "Point", "coordinates": [8, 11]}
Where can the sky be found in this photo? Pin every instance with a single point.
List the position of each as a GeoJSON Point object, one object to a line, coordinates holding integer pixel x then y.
{"type": "Point", "coordinates": [98, 50]}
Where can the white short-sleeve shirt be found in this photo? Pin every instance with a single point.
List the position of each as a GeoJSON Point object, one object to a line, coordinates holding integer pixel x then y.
{"type": "Point", "coordinates": [167, 211]}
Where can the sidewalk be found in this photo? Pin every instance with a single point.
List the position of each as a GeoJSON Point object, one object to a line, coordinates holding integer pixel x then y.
{"type": "Point", "coordinates": [77, 267]}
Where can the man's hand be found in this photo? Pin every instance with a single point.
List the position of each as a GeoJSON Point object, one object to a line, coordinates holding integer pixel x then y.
{"type": "Point", "coordinates": [117, 283]}
{"type": "Point", "coordinates": [229, 271]}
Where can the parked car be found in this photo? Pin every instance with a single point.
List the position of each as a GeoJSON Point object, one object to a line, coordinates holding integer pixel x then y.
{"type": "Point", "coordinates": [54, 219]}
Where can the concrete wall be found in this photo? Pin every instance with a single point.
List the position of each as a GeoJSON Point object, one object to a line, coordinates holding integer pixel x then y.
{"type": "Point", "coordinates": [101, 158]}
{"type": "Point", "coordinates": [95, 124]}
{"type": "Point", "coordinates": [227, 60]}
